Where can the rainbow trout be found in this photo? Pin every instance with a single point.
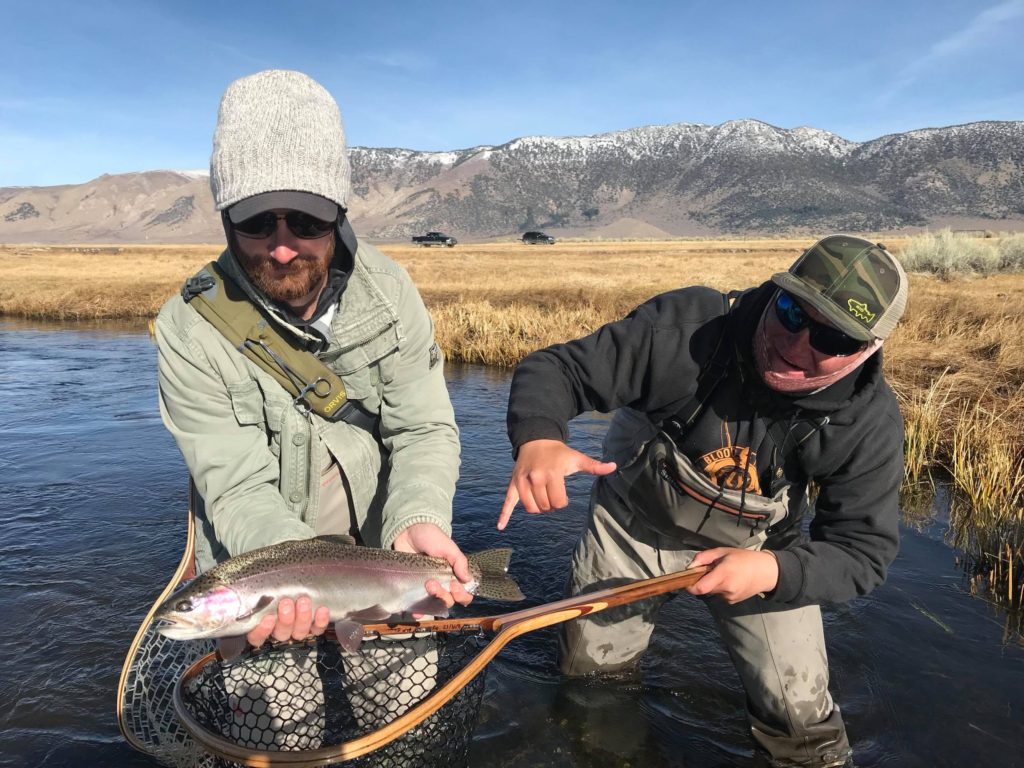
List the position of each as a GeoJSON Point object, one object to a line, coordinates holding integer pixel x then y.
{"type": "Point", "coordinates": [357, 584]}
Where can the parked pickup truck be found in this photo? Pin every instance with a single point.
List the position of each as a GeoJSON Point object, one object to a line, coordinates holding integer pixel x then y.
{"type": "Point", "coordinates": [434, 238]}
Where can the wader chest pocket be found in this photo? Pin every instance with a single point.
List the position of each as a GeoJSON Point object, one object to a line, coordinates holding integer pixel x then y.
{"type": "Point", "coordinates": [679, 501]}
{"type": "Point", "coordinates": [755, 518]}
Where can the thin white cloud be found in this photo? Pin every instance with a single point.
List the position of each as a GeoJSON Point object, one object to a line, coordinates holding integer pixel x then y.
{"type": "Point", "coordinates": [255, 63]}
{"type": "Point", "coordinates": [976, 34]}
{"type": "Point", "coordinates": [405, 61]}
{"type": "Point", "coordinates": [43, 105]}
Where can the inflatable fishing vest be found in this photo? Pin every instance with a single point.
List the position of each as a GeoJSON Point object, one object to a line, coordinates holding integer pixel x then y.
{"type": "Point", "coordinates": [313, 386]}
{"type": "Point", "coordinates": [679, 500]}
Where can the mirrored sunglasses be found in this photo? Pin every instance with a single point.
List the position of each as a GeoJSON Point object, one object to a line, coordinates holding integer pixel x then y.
{"type": "Point", "coordinates": [824, 338]}
{"type": "Point", "coordinates": [302, 225]}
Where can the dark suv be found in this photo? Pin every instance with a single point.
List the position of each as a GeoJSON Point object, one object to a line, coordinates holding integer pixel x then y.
{"type": "Point", "coordinates": [538, 238]}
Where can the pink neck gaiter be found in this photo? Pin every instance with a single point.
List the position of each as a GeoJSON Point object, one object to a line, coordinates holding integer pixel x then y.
{"type": "Point", "coordinates": [808, 385]}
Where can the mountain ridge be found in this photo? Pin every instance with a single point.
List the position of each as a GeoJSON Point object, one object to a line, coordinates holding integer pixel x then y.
{"type": "Point", "coordinates": [681, 179]}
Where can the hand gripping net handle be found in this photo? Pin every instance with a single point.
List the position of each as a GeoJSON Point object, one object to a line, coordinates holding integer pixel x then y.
{"type": "Point", "coordinates": [508, 626]}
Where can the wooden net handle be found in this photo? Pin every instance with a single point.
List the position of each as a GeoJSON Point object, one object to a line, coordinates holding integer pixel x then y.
{"type": "Point", "coordinates": [585, 603]}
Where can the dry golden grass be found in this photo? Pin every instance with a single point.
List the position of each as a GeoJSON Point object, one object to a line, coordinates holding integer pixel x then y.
{"type": "Point", "coordinates": [495, 303]}
{"type": "Point", "coordinates": [94, 282]}
{"type": "Point", "coordinates": [956, 361]}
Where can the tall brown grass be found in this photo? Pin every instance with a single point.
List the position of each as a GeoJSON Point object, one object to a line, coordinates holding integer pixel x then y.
{"type": "Point", "coordinates": [956, 362]}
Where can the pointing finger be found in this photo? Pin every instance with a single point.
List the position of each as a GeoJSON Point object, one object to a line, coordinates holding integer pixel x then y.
{"type": "Point", "coordinates": [511, 499]}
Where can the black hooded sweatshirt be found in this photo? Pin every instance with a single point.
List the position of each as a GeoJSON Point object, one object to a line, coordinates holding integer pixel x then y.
{"type": "Point", "coordinates": [847, 438]}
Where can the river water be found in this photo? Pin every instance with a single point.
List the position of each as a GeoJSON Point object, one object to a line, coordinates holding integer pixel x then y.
{"type": "Point", "coordinates": [94, 496]}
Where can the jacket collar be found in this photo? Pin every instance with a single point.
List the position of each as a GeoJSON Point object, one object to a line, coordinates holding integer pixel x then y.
{"type": "Point", "coordinates": [229, 263]}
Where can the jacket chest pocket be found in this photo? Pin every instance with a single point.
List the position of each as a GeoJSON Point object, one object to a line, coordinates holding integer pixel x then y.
{"type": "Point", "coordinates": [252, 407]}
{"type": "Point", "coordinates": [366, 368]}
{"type": "Point", "coordinates": [247, 404]}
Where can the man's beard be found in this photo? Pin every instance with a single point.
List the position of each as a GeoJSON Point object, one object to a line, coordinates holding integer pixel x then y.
{"type": "Point", "coordinates": [301, 277]}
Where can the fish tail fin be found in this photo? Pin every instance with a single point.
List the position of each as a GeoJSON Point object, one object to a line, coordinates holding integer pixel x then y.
{"type": "Point", "coordinates": [490, 569]}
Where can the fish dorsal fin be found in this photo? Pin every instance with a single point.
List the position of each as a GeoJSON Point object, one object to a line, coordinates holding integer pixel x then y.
{"type": "Point", "coordinates": [339, 538]}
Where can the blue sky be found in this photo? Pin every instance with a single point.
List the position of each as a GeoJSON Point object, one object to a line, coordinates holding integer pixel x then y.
{"type": "Point", "coordinates": [109, 86]}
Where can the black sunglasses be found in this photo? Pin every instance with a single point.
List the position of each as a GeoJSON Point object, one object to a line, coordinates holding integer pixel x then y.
{"type": "Point", "coordinates": [824, 338]}
{"type": "Point", "coordinates": [302, 225]}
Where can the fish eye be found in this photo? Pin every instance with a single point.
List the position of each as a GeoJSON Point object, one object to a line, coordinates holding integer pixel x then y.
{"type": "Point", "coordinates": [183, 606]}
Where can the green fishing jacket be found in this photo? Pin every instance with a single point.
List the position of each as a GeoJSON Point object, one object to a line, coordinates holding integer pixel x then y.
{"type": "Point", "coordinates": [256, 459]}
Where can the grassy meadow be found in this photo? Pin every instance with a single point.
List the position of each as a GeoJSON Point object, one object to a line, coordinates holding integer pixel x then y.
{"type": "Point", "coordinates": [956, 362]}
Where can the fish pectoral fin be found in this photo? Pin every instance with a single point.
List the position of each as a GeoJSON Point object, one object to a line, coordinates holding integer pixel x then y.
{"type": "Point", "coordinates": [230, 648]}
{"type": "Point", "coordinates": [350, 634]}
{"type": "Point", "coordinates": [262, 603]}
{"type": "Point", "coordinates": [374, 613]}
{"type": "Point", "coordinates": [339, 538]}
{"type": "Point", "coordinates": [429, 606]}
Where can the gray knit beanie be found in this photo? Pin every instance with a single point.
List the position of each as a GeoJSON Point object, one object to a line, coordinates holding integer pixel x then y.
{"type": "Point", "coordinates": [278, 130]}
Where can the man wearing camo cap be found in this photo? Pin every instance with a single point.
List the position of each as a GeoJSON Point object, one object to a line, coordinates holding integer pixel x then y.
{"type": "Point", "coordinates": [728, 406]}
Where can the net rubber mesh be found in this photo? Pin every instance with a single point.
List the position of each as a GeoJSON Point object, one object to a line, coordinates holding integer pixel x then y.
{"type": "Point", "coordinates": [147, 699]}
{"type": "Point", "coordinates": [303, 696]}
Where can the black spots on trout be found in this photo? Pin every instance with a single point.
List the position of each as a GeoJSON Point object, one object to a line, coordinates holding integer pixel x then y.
{"type": "Point", "coordinates": [490, 569]}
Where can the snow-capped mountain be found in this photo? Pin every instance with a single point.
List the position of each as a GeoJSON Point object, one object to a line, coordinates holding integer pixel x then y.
{"type": "Point", "coordinates": [742, 176]}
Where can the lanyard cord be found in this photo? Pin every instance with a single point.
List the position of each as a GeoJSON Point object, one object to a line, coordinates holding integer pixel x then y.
{"type": "Point", "coordinates": [303, 386]}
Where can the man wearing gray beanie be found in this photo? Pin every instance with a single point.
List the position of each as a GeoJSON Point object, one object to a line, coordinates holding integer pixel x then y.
{"type": "Point", "coordinates": [299, 373]}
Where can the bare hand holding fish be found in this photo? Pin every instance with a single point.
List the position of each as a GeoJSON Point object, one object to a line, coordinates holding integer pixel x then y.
{"type": "Point", "coordinates": [428, 539]}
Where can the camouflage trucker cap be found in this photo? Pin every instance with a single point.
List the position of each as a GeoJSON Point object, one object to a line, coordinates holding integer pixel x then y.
{"type": "Point", "coordinates": [857, 285]}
